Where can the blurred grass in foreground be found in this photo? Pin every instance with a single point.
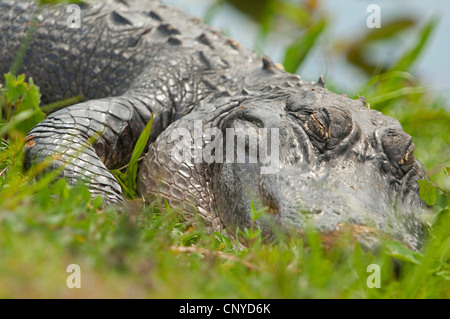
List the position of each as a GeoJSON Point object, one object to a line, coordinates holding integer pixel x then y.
{"type": "Point", "coordinates": [150, 251]}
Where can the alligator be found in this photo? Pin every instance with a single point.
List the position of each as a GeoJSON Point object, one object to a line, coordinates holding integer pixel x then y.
{"type": "Point", "coordinates": [218, 111]}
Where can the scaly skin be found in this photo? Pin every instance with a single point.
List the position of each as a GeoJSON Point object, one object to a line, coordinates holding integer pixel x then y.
{"type": "Point", "coordinates": [339, 162]}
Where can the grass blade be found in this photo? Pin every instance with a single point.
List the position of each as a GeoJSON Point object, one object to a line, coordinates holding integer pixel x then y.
{"type": "Point", "coordinates": [397, 94]}
{"type": "Point", "coordinates": [299, 49]}
{"type": "Point", "coordinates": [138, 149]}
{"type": "Point", "coordinates": [408, 59]}
{"type": "Point", "coordinates": [128, 179]}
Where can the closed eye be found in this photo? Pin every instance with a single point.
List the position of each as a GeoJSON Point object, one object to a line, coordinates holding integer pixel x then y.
{"type": "Point", "coordinates": [318, 127]}
{"type": "Point", "coordinates": [326, 127]}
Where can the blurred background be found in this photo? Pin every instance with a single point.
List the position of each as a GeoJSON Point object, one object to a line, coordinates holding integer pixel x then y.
{"type": "Point", "coordinates": [401, 68]}
{"type": "Point", "coordinates": [345, 50]}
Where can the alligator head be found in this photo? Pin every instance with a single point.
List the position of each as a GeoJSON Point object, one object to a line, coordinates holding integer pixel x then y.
{"type": "Point", "coordinates": [304, 156]}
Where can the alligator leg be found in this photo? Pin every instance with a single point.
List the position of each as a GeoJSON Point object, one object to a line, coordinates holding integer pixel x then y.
{"type": "Point", "coordinates": [89, 137]}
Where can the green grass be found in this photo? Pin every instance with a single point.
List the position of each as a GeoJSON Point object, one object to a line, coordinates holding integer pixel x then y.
{"type": "Point", "coordinates": [152, 253]}
{"type": "Point", "coordinates": [147, 251]}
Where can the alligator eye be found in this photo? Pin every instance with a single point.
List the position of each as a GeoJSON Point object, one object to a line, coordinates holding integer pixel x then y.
{"type": "Point", "coordinates": [317, 124]}
{"type": "Point", "coordinates": [326, 127]}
